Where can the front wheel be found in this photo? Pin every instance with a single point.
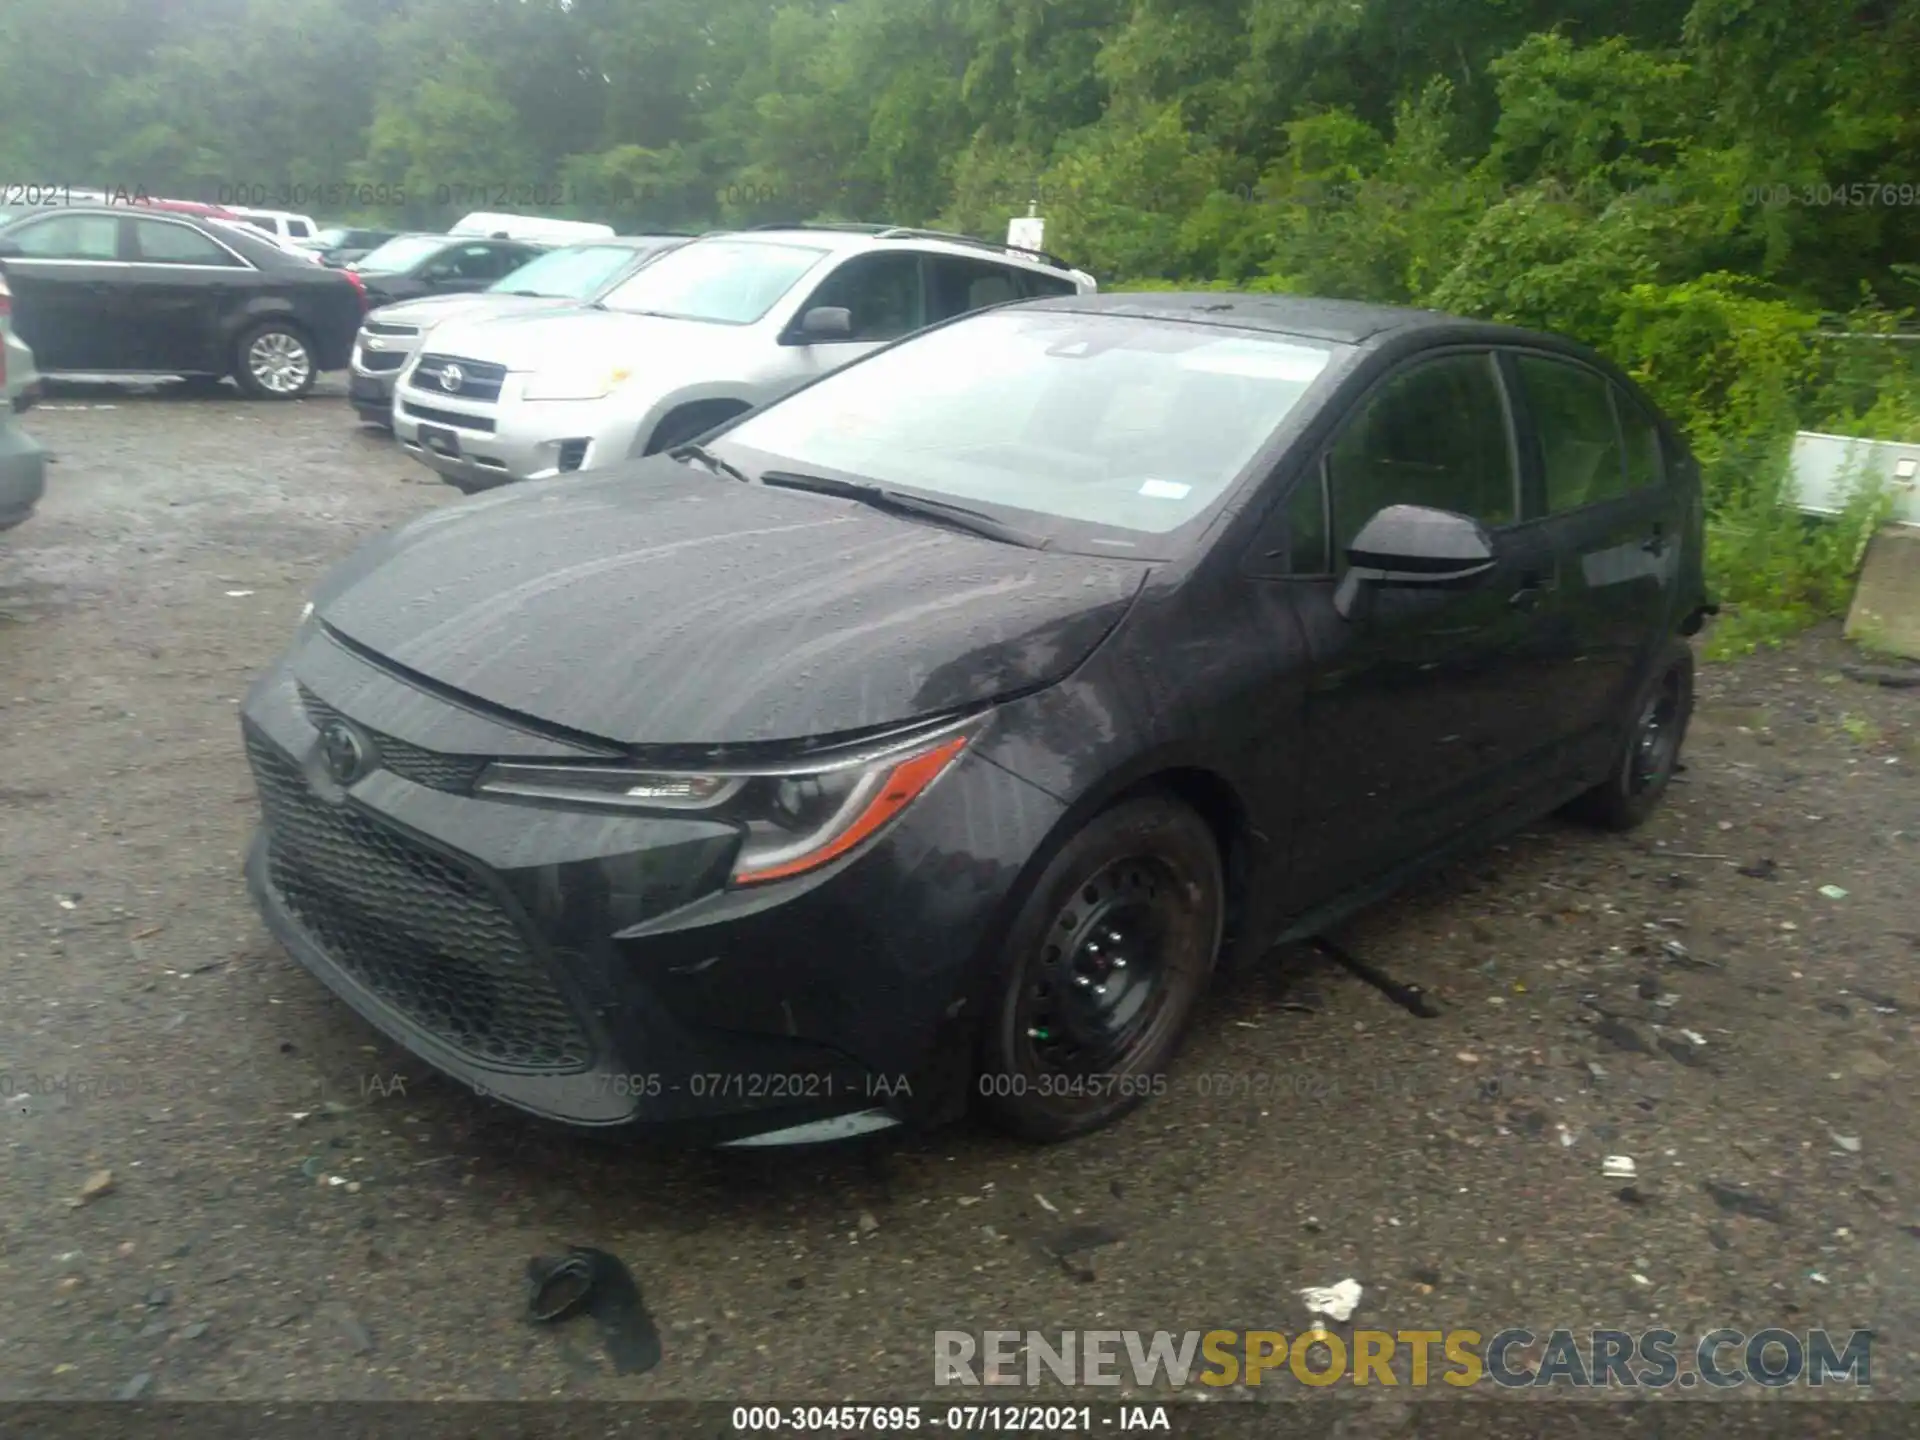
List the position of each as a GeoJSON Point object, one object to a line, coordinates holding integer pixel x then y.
{"type": "Point", "coordinates": [1649, 751]}
{"type": "Point", "coordinates": [274, 362]}
{"type": "Point", "coordinates": [1104, 966]}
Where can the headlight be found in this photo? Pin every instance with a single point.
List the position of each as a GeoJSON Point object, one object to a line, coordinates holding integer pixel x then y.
{"type": "Point", "coordinates": [591, 384]}
{"type": "Point", "coordinates": [793, 818]}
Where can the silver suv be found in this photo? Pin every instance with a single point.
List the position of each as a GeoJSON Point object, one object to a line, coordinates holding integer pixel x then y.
{"type": "Point", "coordinates": [718, 326]}
{"type": "Point", "coordinates": [391, 336]}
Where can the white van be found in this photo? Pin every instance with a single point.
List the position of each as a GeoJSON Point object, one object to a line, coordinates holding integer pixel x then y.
{"type": "Point", "coordinates": [531, 227]}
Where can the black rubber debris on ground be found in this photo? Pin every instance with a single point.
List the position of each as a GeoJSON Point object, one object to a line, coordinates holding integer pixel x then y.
{"type": "Point", "coordinates": [1410, 998]}
{"type": "Point", "coordinates": [592, 1282]}
{"type": "Point", "coordinates": [1736, 1201]}
{"type": "Point", "coordinates": [1622, 1036]}
{"type": "Point", "coordinates": [1894, 677]}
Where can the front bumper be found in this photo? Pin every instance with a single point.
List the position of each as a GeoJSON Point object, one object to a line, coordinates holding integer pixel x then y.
{"type": "Point", "coordinates": [593, 969]}
{"type": "Point", "coordinates": [371, 374]}
{"type": "Point", "coordinates": [484, 446]}
{"type": "Point", "coordinates": [23, 474]}
{"type": "Point", "coordinates": [23, 377]}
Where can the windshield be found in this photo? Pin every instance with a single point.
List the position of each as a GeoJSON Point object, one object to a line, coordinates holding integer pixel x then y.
{"type": "Point", "coordinates": [731, 282]}
{"type": "Point", "coordinates": [570, 274]}
{"type": "Point", "coordinates": [332, 237]}
{"type": "Point", "coordinates": [1112, 421]}
{"type": "Point", "coordinates": [404, 252]}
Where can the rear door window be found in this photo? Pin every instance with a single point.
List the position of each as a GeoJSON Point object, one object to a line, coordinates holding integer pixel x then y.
{"type": "Point", "coordinates": [957, 285]}
{"type": "Point", "coordinates": [159, 242]}
{"type": "Point", "coordinates": [1580, 449]}
{"type": "Point", "coordinates": [1646, 465]}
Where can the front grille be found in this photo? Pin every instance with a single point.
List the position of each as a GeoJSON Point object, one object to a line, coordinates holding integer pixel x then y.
{"type": "Point", "coordinates": [387, 327]}
{"type": "Point", "coordinates": [418, 929]}
{"type": "Point", "coordinates": [479, 380]}
{"type": "Point", "coordinates": [379, 360]}
{"type": "Point", "coordinates": [453, 773]}
{"type": "Point", "coordinates": [448, 417]}
{"type": "Point", "coordinates": [573, 454]}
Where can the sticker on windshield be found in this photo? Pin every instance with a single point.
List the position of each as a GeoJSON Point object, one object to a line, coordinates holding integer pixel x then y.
{"type": "Point", "coordinates": [1257, 360]}
{"type": "Point", "coordinates": [1166, 490]}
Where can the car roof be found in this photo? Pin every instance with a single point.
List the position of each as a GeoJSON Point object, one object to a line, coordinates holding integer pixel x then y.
{"type": "Point", "coordinates": [1347, 322]}
{"type": "Point", "coordinates": [633, 242]}
{"type": "Point", "coordinates": [838, 239]}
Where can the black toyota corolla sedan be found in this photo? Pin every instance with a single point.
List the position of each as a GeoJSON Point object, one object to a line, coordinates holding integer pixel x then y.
{"type": "Point", "coordinates": [937, 732]}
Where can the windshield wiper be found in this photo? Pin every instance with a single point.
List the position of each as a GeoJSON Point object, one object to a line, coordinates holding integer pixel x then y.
{"type": "Point", "coordinates": [693, 451]}
{"type": "Point", "coordinates": [941, 512]}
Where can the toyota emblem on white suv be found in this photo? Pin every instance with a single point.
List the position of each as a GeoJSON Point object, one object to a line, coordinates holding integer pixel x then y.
{"type": "Point", "coordinates": [452, 377]}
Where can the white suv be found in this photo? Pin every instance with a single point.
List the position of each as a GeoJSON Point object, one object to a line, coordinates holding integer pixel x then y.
{"type": "Point", "coordinates": [720, 325]}
{"type": "Point", "coordinates": [281, 224]}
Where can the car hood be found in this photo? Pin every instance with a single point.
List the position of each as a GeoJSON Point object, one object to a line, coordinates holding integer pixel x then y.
{"type": "Point", "coordinates": [430, 310]}
{"type": "Point", "coordinates": [655, 604]}
{"type": "Point", "coordinates": [578, 335]}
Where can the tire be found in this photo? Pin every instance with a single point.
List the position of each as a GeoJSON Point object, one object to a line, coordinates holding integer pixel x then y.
{"type": "Point", "coordinates": [273, 360]}
{"type": "Point", "coordinates": [683, 424]}
{"type": "Point", "coordinates": [1649, 750]}
{"type": "Point", "coordinates": [1139, 896]}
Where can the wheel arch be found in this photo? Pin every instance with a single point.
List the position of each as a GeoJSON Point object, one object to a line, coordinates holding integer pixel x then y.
{"type": "Point", "coordinates": [711, 410]}
{"type": "Point", "coordinates": [1205, 791]}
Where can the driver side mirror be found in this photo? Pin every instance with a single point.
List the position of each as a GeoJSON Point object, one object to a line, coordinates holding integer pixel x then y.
{"type": "Point", "coordinates": [1413, 547]}
{"type": "Point", "coordinates": [826, 322]}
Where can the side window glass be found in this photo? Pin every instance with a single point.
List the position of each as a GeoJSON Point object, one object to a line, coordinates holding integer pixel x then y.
{"type": "Point", "coordinates": [70, 237]}
{"type": "Point", "coordinates": [166, 244]}
{"type": "Point", "coordinates": [1434, 435]}
{"type": "Point", "coordinates": [1307, 525]}
{"type": "Point", "coordinates": [1645, 467]}
{"type": "Point", "coordinates": [299, 229]}
{"type": "Point", "coordinates": [1579, 442]}
{"type": "Point", "coordinates": [961, 285]}
{"type": "Point", "coordinates": [1035, 285]}
{"type": "Point", "coordinates": [882, 292]}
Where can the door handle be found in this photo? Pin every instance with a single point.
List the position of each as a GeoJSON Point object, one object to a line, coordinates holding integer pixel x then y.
{"type": "Point", "coordinates": [1656, 544]}
{"type": "Point", "coordinates": [1533, 589]}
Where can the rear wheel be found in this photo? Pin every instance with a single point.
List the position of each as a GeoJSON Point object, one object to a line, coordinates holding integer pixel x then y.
{"type": "Point", "coordinates": [1649, 751]}
{"type": "Point", "coordinates": [1104, 966]}
{"type": "Point", "coordinates": [273, 361]}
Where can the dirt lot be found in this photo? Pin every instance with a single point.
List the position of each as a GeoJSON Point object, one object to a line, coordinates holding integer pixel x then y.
{"type": "Point", "coordinates": [1747, 1039]}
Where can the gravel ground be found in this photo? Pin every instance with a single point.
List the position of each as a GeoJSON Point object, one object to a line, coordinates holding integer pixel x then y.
{"type": "Point", "coordinates": [297, 1210]}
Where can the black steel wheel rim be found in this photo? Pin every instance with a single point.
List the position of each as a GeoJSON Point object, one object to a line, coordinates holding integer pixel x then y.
{"type": "Point", "coordinates": [1095, 996]}
{"type": "Point", "coordinates": [1656, 738]}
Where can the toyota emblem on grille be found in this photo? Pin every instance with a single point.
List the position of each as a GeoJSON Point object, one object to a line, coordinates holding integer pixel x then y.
{"type": "Point", "coordinates": [452, 378]}
{"type": "Point", "coordinates": [343, 752]}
